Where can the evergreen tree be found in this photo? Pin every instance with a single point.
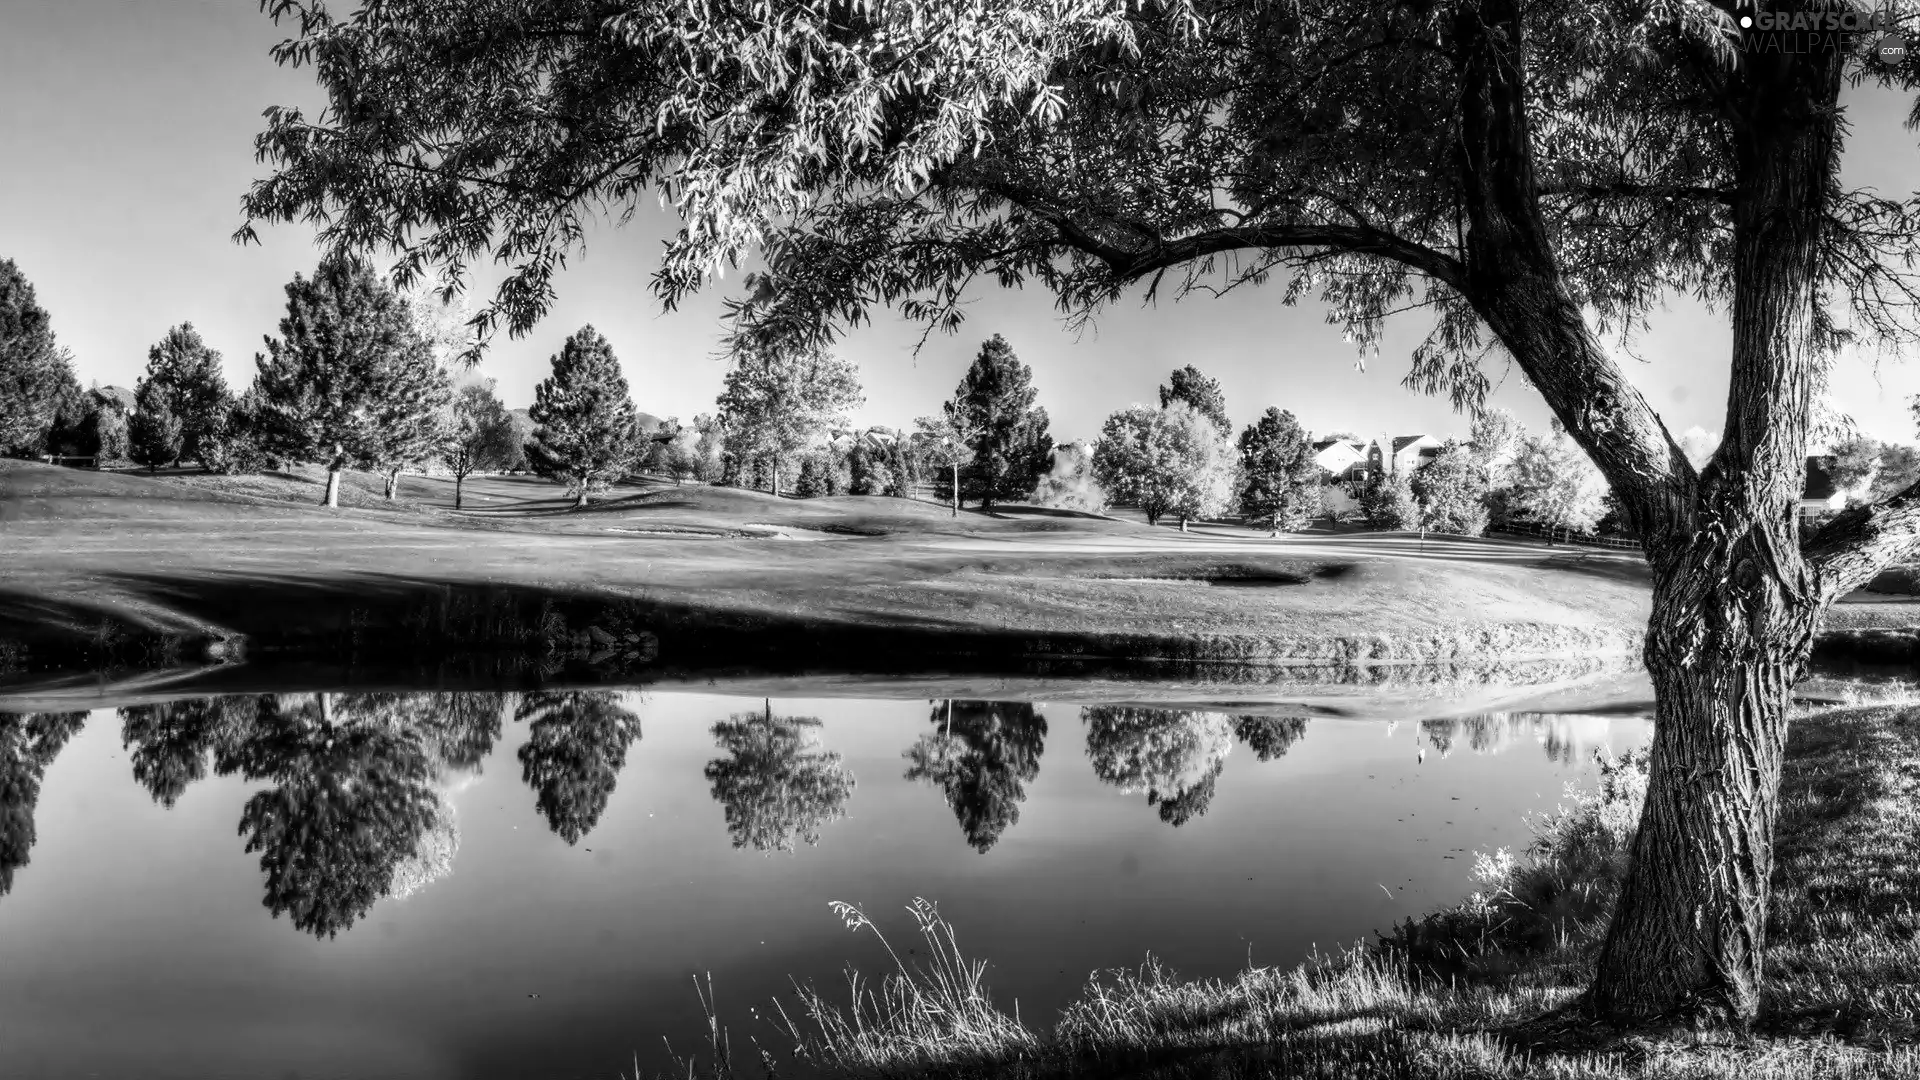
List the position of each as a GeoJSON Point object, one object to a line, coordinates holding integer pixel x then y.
{"type": "Point", "coordinates": [479, 436]}
{"type": "Point", "coordinates": [587, 432]}
{"type": "Point", "coordinates": [36, 376]}
{"type": "Point", "coordinates": [1452, 492]}
{"type": "Point", "coordinates": [576, 746]}
{"type": "Point", "coordinates": [348, 378]}
{"type": "Point", "coordinates": [1280, 480]}
{"type": "Point", "coordinates": [1010, 444]}
{"type": "Point", "coordinates": [195, 385]}
{"type": "Point", "coordinates": [154, 431]}
{"type": "Point", "coordinates": [774, 787]}
{"type": "Point", "coordinates": [1200, 391]}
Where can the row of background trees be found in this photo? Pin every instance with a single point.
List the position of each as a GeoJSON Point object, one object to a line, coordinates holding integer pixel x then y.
{"type": "Point", "coordinates": [361, 377]}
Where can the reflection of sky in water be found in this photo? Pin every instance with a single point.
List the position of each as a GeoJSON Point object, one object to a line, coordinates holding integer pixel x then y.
{"type": "Point", "coordinates": [1058, 839]}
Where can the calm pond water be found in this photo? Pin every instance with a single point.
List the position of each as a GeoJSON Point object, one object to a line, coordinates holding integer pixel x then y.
{"type": "Point", "coordinates": [481, 885]}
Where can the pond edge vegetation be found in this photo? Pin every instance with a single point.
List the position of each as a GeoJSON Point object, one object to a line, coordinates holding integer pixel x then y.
{"type": "Point", "coordinates": [1476, 990]}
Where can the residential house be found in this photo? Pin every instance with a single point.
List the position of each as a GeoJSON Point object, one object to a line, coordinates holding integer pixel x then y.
{"type": "Point", "coordinates": [1400, 455]}
{"type": "Point", "coordinates": [1344, 459]}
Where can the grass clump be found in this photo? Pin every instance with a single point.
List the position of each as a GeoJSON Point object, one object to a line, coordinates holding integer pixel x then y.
{"type": "Point", "coordinates": [1445, 996]}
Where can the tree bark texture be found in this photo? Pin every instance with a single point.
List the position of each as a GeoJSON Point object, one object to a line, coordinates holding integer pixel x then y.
{"type": "Point", "coordinates": [1735, 603]}
{"type": "Point", "coordinates": [459, 484]}
{"type": "Point", "coordinates": [393, 483]}
{"type": "Point", "coordinates": [332, 497]}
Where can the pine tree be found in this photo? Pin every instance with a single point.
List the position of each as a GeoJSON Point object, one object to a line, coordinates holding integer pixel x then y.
{"type": "Point", "coordinates": [36, 376]}
{"type": "Point", "coordinates": [1281, 482]}
{"type": "Point", "coordinates": [586, 432]}
{"type": "Point", "coordinates": [196, 387]}
{"type": "Point", "coordinates": [1200, 391]}
{"type": "Point", "coordinates": [1009, 439]}
{"type": "Point", "coordinates": [347, 375]}
{"type": "Point", "coordinates": [154, 431]}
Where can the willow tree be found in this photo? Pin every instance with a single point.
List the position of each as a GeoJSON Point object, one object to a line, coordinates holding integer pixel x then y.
{"type": "Point", "coordinates": [1535, 176]}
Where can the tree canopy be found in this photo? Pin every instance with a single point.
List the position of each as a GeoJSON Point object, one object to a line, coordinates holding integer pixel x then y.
{"type": "Point", "coordinates": [1202, 392]}
{"type": "Point", "coordinates": [196, 387]}
{"type": "Point", "coordinates": [348, 379]}
{"type": "Point", "coordinates": [1169, 461]}
{"type": "Point", "coordinates": [1535, 177]}
{"type": "Point", "coordinates": [779, 401]}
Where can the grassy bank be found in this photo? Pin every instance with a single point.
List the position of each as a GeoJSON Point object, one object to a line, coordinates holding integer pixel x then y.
{"type": "Point", "coordinates": [1451, 995]}
{"type": "Point", "coordinates": [139, 571]}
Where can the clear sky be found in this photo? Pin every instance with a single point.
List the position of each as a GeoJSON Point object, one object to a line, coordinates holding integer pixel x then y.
{"type": "Point", "coordinates": [126, 135]}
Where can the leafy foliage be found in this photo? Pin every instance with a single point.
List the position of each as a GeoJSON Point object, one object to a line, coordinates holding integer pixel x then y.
{"type": "Point", "coordinates": [1452, 492]}
{"type": "Point", "coordinates": [576, 745]}
{"type": "Point", "coordinates": [1166, 461]}
{"type": "Point", "coordinates": [1555, 485]}
{"type": "Point", "coordinates": [779, 401]}
{"type": "Point", "coordinates": [983, 756]}
{"type": "Point", "coordinates": [774, 787]}
{"type": "Point", "coordinates": [478, 435]}
{"type": "Point", "coordinates": [1070, 483]}
{"type": "Point", "coordinates": [1173, 756]}
{"type": "Point", "coordinates": [1269, 737]}
{"type": "Point", "coordinates": [1280, 481]}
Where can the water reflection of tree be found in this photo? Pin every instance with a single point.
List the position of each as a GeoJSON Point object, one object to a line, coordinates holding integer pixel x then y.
{"type": "Point", "coordinates": [1269, 737]}
{"type": "Point", "coordinates": [1174, 756]}
{"type": "Point", "coordinates": [353, 800]}
{"type": "Point", "coordinates": [574, 752]}
{"type": "Point", "coordinates": [28, 744]}
{"type": "Point", "coordinates": [1491, 733]}
{"type": "Point", "coordinates": [982, 755]}
{"type": "Point", "coordinates": [352, 796]}
{"type": "Point", "coordinates": [774, 787]}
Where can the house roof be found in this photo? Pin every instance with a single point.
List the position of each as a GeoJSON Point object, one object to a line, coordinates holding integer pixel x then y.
{"type": "Point", "coordinates": [1401, 442]}
{"type": "Point", "coordinates": [1820, 483]}
{"type": "Point", "coordinates": [1322, 444]}
{"type": "Point", "coordinates": [118, 395]}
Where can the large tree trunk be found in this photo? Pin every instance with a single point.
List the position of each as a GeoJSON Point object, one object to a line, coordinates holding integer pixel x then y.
{"type": "Point", "coordinates": [956, 490]}
{"type": "Point", "coordinates": [332, 498]}
{"type": "Point", "coordinates": [1731, 631]}
{"type": "Point", "coordinates": [459, 482]}
{"type": "Point", "coordinates": [776, 479]}
{"type": "Point", "coordinates": [1735, 602]}
{"type": "Point", "coordinates": [393, 483]}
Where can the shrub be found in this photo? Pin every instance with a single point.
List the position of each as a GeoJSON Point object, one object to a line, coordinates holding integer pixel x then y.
{"type": "Point", "coordinates": [1388, 503]}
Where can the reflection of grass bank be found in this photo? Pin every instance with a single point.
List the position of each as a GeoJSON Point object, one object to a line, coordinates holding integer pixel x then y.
{"type": "Point", "coordinates": [1445, 997]}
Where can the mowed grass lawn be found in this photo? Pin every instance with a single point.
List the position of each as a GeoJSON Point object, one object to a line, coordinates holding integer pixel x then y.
{"type": "Point", "coordinates": [175, 550]}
